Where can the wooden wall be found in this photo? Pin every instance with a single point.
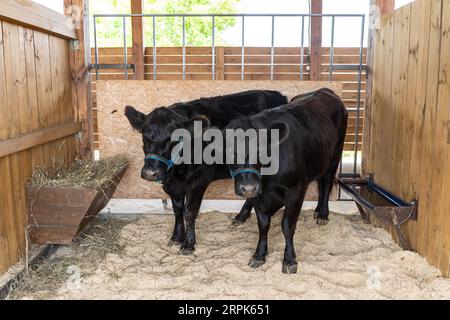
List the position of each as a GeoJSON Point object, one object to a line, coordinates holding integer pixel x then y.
{"type": "Point", "coordinates": [228, 67]}
{"type": "Point", "coordinates": [408, 139]}
{"type": "Point", "coordinates": [37, 119]}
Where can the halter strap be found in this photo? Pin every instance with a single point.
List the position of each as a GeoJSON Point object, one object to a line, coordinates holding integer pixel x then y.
{"type": "Point", "coordinates": [168, 162]}
{"type": "Point", "coordinates": [244, 170]}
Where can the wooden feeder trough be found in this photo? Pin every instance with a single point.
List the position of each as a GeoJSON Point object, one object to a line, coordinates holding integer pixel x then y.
{"type": "Point", "coordinates": [56, 215]}
{"type": "Point", "coordinates": [371, 199]}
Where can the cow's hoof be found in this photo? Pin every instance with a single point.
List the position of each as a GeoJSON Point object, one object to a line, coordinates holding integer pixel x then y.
{"type": "Point", "coordinates": [256, 263]}
{"type": "Point", "coordinates": [316, 214]}
{"type": "Point", "coordinates": [289, 268]}
{"type": "Point", "coordinates": [237, 223]}
{"type": "Point", "coordinates": [321, 221]}
{"type": "Point", "coordinates": [174, 243]}
{"type": "Point", "coordinates": [186, 251]}
{"type": "Point", "coordinates": [165, 204]}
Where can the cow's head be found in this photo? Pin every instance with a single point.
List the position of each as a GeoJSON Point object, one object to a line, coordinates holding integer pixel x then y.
{"type": "Point", "coordinates": [247, 176]}
{"type": "Point", "coordinates": [156, 129]}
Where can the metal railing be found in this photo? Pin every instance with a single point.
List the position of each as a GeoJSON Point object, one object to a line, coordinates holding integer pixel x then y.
{"type": "Point", "coordinates": [360, 67]}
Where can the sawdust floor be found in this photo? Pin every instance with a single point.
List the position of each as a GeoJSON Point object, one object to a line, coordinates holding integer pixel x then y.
{"type": "Point", "coordinates": [345, 259]}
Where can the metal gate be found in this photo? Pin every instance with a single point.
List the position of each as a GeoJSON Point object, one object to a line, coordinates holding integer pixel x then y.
{"type": "Point", "coordinates": [353, 172]}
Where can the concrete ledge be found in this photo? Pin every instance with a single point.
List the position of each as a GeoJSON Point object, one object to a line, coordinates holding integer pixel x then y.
{"type": "Point", "coordinates": [135, 207]}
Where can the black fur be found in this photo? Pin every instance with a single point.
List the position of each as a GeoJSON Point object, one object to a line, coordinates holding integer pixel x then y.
{"type": "Point", "coordinates": [186, 184]}
{"type": "Point", "coordinates": [315, 125]}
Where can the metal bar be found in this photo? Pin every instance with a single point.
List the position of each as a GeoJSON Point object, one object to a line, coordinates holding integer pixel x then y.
{"type": "Point", "coordinates": [154, 47]}
{"type": "Point", "coordinates": [125, 51]}
{"type": "Point", "coordinates": [213, 47]}
{"type": "Point", "coordinates": [184, 46]}
{"type": "Point", "coordinates": [96, 47]}
{"type": "Point", "coordinates": [339, 197]}
{"type": "Point", "coordinates": [302, 52]}
{"type": "Point", "coordinates": [272, 48]}
{"type": "Point", "coordinates": [352, 109]}
{"type": "Point", "coordinates": [355, 160]}
{"type": "Point", "coordinates": [111, 66]}
{"type": "Point", "coordinates": [332, 48]}
{"type": "Point", "coordinates": [243, 48]}
{"type": "Point", "coordinates": [348, 67]}
{"type": "Point", "coordinates": [119, 15]}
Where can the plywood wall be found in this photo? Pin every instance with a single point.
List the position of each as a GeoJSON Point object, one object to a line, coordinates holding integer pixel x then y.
{"type": "Point", "coordinates": [117, 136]}
{"type": "Point", "coordinates": [408, 144]}
{"type": "Point", "coordinates": [35, 94]}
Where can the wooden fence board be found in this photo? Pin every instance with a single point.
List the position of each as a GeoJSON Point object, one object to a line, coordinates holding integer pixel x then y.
{"type": "Point", "coordinates": [34, 15]}
{"type": "Point", "coordinates": [440, 143]}
{"type": "Point", "coordinates": [35, 84]}
{"type": "Point", "coordinates": [410, 155]}
{"type": "Point", "coordinates": [427, 176]}
{"type": "Point", "coordinates": [444, 98]}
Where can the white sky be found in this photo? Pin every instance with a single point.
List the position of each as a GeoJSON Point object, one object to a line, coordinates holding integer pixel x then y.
{"type": "Point", "coordinates": [287, 30]}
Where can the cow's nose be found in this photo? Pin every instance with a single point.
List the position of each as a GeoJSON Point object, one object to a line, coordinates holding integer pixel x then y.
{"type": "Point", "coordinates": [249, 188]}
{"type": "Point", "coordinates": [149, 174]}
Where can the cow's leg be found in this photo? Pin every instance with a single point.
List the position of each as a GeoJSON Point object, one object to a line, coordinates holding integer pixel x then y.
{"type": "Point", "coordinates": [264, 216]}
{"type": "Point", "coordinates": [194, 199]}
{"type": "Point", "coordinates": [319, 201]}
{"type": "Point", "coordinates": [178, 230]}
{"type": "Point", "coordinates": [321, 216]}
{"type": "Point", "coordinates": [244, 214]}
{"type": "Point", "coordinates": [259, 258]}
{"type": "Point", "coordinates": [292, 209]}
{"type": "Point", "coordinates": [327, 181]}
{"type": "Point", "coordinates": [328, 178]}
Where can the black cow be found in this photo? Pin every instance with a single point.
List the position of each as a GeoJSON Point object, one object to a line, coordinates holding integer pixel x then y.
{"type": "Point", "coordinates": [312, 130]}
{"type": "Point", "coordinates": [186, 184]}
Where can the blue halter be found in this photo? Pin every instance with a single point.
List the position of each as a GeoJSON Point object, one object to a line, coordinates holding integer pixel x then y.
{"type": "Point", "coordinates": [244, 170]}
{"type": "Point", "coordinates": [169, 163]}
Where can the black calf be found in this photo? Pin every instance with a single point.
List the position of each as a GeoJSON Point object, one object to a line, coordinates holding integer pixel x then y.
{"type": "Point", "coordinates": [313, 130]}
{"type": "Point", "coordinates": [186, 184]}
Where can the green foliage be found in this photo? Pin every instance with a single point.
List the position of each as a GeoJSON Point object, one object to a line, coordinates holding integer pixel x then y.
{"type": "Point", "coordinates": [168, 29]}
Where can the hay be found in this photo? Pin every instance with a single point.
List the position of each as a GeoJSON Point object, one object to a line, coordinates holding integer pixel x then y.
{"type": "Point", "coordinates": [88, 249]}
{"type": "Point", "coordinates": [81, 173]}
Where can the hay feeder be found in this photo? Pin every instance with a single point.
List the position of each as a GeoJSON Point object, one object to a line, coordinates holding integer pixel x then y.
{"type": "Point", "coordinates": [58, 213]}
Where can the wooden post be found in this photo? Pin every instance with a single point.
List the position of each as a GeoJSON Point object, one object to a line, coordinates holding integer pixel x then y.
{"type": "Point", "coordinates": [386, 6]}
{"type": "Point", "coordinates": [220, 60]}
{"type": "Point", "coordinates": [138, 40]}
{"type": "Point", "coordinates": [383, 7]}
{"type": "Point", "coordinates": [80, 57]}
{"type": "Point", "coordinates": [316, 40]}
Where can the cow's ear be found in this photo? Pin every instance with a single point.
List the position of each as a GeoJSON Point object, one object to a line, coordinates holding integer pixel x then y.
{"type": "Point", "coordinates": [135, 117]}
{"type": "Point", "coordinates": [283, 130]}
{"type": "Point", "coordinates": [190, 124]}
{"type": "Point", "coordinates": [204, 119]}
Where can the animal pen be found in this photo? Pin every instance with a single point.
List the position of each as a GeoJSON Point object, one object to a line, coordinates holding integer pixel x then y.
{"type": "Point", "coordinates": [396, 91]}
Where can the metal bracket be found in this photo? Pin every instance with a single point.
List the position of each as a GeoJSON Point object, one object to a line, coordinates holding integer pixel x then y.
{"type": "Point", "coordinates": [346, 67]}
{"type": "Point", "coordinates": [79, 134]}
{"type": "Point", "coordinates": [389, 209]}
{"type": "Point", "coordinates": [74, 45]}
{"type": "Point", "coordinates": [94, 66]}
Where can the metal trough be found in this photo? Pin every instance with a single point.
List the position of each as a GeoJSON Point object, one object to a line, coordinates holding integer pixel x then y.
{"type": "Point", "coordinates": [371, 199]}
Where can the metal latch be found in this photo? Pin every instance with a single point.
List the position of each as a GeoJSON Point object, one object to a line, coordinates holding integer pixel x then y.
{"type": "Point", "coordinates": [74, 45]}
